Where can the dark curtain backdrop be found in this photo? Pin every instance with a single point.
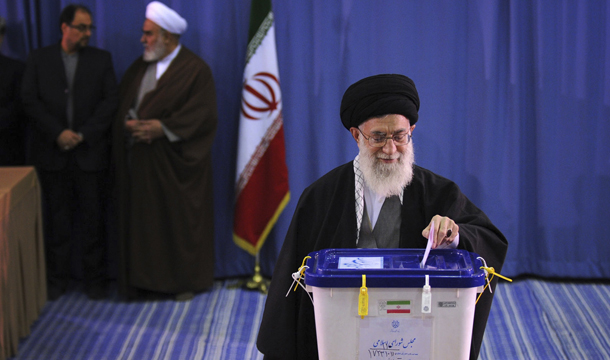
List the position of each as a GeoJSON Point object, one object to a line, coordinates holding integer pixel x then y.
{"type": "Point", "coordinates": [515, 104]}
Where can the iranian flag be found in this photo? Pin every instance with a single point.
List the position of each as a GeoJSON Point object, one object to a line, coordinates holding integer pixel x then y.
{"type": "Point", "coordinates": [261, 190]}
{"type": "Point", "coordinates": [394, 306]}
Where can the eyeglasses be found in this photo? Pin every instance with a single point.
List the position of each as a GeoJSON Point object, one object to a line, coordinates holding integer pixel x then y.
{"type": "Point", "coordinates": [380, 141]}
{"type": "Point", "coordinates": [82, 27]}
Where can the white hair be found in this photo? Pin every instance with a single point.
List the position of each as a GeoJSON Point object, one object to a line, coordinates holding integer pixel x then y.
{"type": "Point", "coordinates": [386, 179]}
{"type": "Point", "coordinates": [157, 52]}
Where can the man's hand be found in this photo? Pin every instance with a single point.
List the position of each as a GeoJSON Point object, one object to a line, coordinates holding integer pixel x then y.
{"type": "Point", "coordinates": [144, 130]}
{"type": "Point", "coordinates": [68, 140]}
{"type": "Point", "coordinates": [445, 230]}
{"type": "Point", "coordinates": [131, 125]}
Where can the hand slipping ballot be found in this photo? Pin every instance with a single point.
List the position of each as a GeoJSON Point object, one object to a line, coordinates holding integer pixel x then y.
{"type": "Point", "coordinates": [445, 231]}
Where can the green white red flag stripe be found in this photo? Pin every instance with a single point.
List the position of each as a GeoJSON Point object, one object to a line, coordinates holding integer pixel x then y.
{"type": "Point", "coordinates": [261, 189]}
{"type": "Point", "coordinates": [395, 306]}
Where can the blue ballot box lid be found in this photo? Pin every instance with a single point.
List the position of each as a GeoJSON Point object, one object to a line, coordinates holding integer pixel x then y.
{"type": "Point", "coordinates": [393, 268]}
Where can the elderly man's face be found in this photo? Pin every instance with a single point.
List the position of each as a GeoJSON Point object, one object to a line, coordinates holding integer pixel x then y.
{"type": "Point", "coordinates": [153, 41]}
{"type": "Point", "coordinates": [387, 169]}
{"type": "Point", "coordinates": [385, 126]}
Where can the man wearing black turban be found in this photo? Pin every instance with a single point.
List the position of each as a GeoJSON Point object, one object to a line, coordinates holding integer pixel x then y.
{"type": "Point", "coordinates": [378, 200]}
{"type": "Point", "coordinates": [379, 95]}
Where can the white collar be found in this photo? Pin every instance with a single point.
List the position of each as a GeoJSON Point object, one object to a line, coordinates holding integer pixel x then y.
{"type": "Point", "coordinates": [164, 63]}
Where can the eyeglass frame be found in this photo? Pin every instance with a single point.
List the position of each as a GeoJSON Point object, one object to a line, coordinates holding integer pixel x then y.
{"type": "Point", "coordinates": [82, 27]}
{"type": "Point", "coordinates": [386, 138]}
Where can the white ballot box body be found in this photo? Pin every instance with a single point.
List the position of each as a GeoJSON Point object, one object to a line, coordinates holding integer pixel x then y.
{"type": "Point", "coordinates": [403, 311]}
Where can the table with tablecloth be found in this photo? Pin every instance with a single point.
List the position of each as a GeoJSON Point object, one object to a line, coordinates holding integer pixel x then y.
{"type": "Point", "coordinates": [23, 288]}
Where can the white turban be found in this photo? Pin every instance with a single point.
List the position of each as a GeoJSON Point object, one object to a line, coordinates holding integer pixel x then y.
{"type": "Point", "coordinates": [165, 17]}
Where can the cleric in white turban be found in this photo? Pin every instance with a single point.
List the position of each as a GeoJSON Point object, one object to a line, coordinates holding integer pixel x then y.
{"type": "Point", "coordinates": [164, 171]}
{"type": "Point", "coordinates": [165, 17]}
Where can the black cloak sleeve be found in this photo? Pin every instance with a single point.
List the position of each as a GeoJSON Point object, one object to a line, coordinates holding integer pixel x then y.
{"type": "Point", "coordinates": [430, 194]}
{"type": "Point", "coordinates": [325, 217]}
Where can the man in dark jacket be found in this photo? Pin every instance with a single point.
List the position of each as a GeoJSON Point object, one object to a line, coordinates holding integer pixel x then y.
{"type": "Point", "coordinates": [70, 95]}
{"type": "Point", "coordinates": [12, 126]}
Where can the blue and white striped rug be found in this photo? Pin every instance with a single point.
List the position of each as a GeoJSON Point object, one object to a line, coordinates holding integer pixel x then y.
{"type": "Point", "coordinates": [535, 319]}
{"type": "Point", "coordinates": [218, 324]}
{"type": "Point", "coordinates": [530, 319]}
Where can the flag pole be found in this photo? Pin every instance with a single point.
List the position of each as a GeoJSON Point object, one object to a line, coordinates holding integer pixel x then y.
{"type": "Point", "coordinates": [255, 283]}
{"type": "Point", "coordinates": [261, 185]}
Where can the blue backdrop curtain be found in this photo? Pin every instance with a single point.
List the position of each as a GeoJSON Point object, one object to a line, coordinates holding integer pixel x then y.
{"type": "Point", "coordinates": [515, 104]}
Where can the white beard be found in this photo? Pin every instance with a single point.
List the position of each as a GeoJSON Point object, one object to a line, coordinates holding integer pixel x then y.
{"type": "Point", "coordinates": [157, 51]}
{"type": "Point", "coordinates": [386, 179]}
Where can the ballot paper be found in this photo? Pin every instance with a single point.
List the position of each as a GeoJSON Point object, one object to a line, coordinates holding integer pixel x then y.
{"type": "Point", "coordinates": [364, 262]}
{"type": "Point", "coordinates": [428, 246]}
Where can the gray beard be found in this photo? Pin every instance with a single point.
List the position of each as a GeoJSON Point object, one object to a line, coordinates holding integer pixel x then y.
{"type": "Point", "coordinates": [156, 52]}
{"type": "Point", "coordinates": [386, 179]}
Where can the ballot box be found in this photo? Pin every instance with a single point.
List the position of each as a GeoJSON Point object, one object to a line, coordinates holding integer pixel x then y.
{"type": "Point", "coordinates": [387, 304]}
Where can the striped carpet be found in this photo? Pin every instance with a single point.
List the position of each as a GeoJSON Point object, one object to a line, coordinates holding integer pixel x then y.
{"type": "Point", "coordinates": [219, 324]}
{"type": "Point", "coordinates": [535, 319]}
{"type": "Point", "coordinates": [530, 319]}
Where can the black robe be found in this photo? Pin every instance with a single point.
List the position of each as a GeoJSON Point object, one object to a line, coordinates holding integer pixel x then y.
{"type": "Point", "coordinates": [325, 217]}
{"type": "Point", "coordinates": [164, 192]}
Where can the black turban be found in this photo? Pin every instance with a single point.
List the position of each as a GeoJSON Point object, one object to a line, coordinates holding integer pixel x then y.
{"type": "Point", "coordinates": [377, 96]}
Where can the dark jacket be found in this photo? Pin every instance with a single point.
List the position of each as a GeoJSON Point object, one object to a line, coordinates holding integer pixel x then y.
{"type": "Point", "coordinates": [45, 97]}
{"type": "Point", "coordinates": [12, 126]}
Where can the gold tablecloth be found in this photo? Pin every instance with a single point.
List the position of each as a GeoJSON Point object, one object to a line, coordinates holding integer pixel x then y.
{"type": "Point", "coordinates": [23, 287]}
